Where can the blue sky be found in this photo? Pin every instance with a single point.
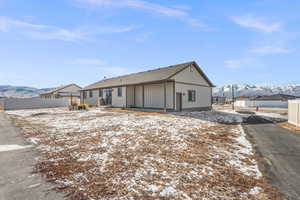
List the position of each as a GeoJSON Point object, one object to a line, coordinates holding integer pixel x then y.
{"type": "Point", "coordinates": [51, 43]}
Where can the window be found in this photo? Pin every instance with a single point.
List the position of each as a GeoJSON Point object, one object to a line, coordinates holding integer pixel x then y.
{"type": "Point", "coordinates": [91, 93]}
{"type": "Point", "coordinates": [119, 92]}
{"type": "Point", "coordinates": [84, 94]}
{"type": "Point", "coordinates": [192, 95]}
{"type": "Point", "coordinates": [100, 93]}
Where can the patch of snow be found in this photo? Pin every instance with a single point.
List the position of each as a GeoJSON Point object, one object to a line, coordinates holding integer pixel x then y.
{"type": "Point", "coordinates": [13, 147]}
{"type": "Point", "coordinates": [33, 186]}
{"type": "Point", "coordinates": [255, 190]}
{"type": "Point", "coordinates": [215, 116]}
{"type": "Point", "coordinates": [153, 188]}
{"type": "Point", "coordinates": [244, 148]}
{"type": "Point", "coordinates": [272, 116]}
{"type": "Point", "coordinates": [34, 140]}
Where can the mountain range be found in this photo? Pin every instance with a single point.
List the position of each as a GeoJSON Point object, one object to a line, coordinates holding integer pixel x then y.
{"type": "Point", "coordinates": [256, 90]}
{"type": "Point", "coordinates": [20, 91]}
{"type": "Point", "coordinates": [223, 90]}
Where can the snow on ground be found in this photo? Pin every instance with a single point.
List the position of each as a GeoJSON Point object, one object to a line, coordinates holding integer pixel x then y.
{"type": "Point", "coordinates": [222, 116]}
{"type": "Point", "coordinates": [272, 116]}
{"type": "Point", "coordinates": [12, 147]}
{"type": "Point", "coordinates": [116, 154]}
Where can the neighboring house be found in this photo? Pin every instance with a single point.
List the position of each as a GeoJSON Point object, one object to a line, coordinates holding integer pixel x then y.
{"type": "Point", "coordinates": [277, 100]}
{"type": "Point", "coordinates": [178, 87]}
{"type": "Point", "coordinates": [219, 100]}
{"type": "Point", "coordinates": [70, 92]}
{"type": "Point", "coordinates": [275, 97]}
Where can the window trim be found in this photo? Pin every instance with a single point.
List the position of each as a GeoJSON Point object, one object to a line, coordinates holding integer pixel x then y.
{"type": "Point", "coordinates": [193, 95]}
{"type": "Point", "coordinates": [120, 91]}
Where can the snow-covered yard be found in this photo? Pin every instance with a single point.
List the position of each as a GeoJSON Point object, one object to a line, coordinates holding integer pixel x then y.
{"type": "Point", "coordinates": [115, 154]}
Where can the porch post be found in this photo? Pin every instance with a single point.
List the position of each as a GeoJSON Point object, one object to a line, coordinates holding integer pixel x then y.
{"type": "Point", "coordinates": [126, 97]}
{"type": "Point", "coordinates": [174, 95]}
{"type": "Point", "coordinates": [134, 96]}
{"type": "Point", "coordinates": [143, 96]}
{"type": "Point", "coordinates": [165, 97]}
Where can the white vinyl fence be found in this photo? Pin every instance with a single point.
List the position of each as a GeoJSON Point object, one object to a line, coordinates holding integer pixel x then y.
{"type": "Point", "coordinates": [294, 112]}
{"type": "Point", "coordinates": [33, 103]}
{"type": "Point", "coordinates": [274, 104]}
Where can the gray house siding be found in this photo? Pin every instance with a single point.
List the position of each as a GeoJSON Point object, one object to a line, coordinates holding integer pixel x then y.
{"type": "Point", "coordinates": [202, 100]}
{"type": "Point", "coordinates": [158, 88]}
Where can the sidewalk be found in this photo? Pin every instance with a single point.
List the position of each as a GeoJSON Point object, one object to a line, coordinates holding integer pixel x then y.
{"type": "Point", "coordinates": [16, 164]}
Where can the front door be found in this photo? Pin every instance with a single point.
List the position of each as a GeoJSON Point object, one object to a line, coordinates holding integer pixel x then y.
{"type": "Point", "coordinates": [108, 96]}
{"type": "Point", "coordinates": [178, 101]}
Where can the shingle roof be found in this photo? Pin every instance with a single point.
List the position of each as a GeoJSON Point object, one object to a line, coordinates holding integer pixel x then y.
{"type": "Point", "coordinates": [155, 75]}
{"type": "Point", "coordinates": [278, 97]}
{"type": "Point", "coordinates": [59, 88]}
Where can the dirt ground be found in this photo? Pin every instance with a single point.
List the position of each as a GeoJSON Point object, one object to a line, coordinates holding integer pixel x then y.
{"type": "Point", "coordinates": [116, 154]}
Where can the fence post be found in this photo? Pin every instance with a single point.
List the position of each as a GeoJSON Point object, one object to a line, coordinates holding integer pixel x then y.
{"type": "Point", "coordinates": [298, 122]}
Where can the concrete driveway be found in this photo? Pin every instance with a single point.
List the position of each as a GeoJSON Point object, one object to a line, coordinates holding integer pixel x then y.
{"type": "Point", "coordinates": [16, 165]}
{"type": "Point", "coordinates": [280, 152]}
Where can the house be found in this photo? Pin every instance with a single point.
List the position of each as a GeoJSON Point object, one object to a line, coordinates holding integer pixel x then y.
{"type": "Point", "coordinates": [69, 92]}
{"type": "Point", "coordinates": [276, 100]}
{"type": "Point", "coordinates": [275, 97]}
{"type": "Point", "coordinates": [178, 87]}
{"type": "Point", "coordinates": [219, 100]}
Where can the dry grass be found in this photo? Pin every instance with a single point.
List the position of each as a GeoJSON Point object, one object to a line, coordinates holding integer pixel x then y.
{"type": "Point", "coordinates": [137, 112]}
{"type": "Point", "coordinates": [290, 127]}
{"type": "Point", "coordinates": [120, 154]}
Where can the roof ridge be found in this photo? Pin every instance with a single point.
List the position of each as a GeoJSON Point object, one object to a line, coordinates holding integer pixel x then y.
{"type": "Point", "coordinates": [151, 70]}
{"type": "Point", "coordinates": [60, 88]}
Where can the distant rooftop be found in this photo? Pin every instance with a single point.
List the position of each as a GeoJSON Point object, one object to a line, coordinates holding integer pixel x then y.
{"type": "Point", "coordinates": [59, 88]}
{"type": "Point", "coordinates": [275, 97]}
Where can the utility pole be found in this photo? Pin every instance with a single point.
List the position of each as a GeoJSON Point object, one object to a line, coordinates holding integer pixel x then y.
{"type": "Point", "coordinates": [232, 95]}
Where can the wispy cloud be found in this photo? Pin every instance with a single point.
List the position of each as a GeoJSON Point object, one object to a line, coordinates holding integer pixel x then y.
{"type": "Point", "coordinates": [174, 12]}
{"type": "Point", "coordinates": [49, 32]}
{"type": "Point", "coordinates": [101, 66]}
{"type": "Point", "coordinates": [256, 23]}
{"type": "Point", "coordinates": [114, 71]}
{"type": "Point", "coordinates": [237, 63]}
{"type": "Point", "coordinates": [274, 48]}
{"type": "Point", "coordinates": [88, 61]}
{"type": "Point", "coordinates": [7, 24]}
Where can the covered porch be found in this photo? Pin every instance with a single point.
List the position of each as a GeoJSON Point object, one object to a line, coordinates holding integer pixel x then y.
{"type": "Point", "coordinates": [159, 96]}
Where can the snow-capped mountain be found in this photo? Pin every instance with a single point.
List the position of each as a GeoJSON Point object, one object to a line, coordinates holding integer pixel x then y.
{"type": "Point", "coordinates": [20, 91]}
{"type": "Point", "coordinates": [256, 90]}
